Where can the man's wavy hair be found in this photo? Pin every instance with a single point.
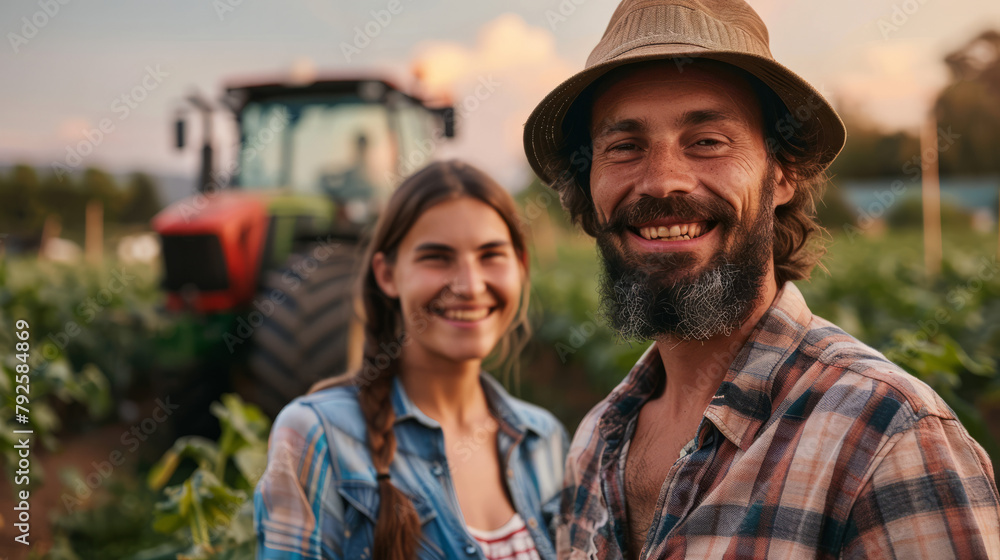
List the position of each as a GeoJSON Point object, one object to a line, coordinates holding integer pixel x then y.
{"type": "Point", "coordinates": [798, 237]}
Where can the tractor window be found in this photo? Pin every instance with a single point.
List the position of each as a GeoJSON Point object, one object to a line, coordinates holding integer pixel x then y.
{"type": "Point", "coordinates": [345, 149]}
{"type": "Point", "coordinates": [419, 136]}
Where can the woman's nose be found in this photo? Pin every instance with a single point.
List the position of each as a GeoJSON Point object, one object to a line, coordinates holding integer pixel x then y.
{"type": "Point", "coordinates": [469, 280]}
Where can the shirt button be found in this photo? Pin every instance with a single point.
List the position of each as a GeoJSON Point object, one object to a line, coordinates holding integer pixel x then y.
{"type": "Point", "coordinates": [470, 549]}
{"type": "Point", "coordinates": [510, 473]}
{"type": "Point", "coordinates": [532, 523]}
{"type": "Point", "coordinates": [437, 470]}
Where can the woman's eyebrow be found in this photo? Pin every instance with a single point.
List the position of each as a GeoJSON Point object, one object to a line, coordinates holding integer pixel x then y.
{"type": "Point", "coordinates": [494, 244]}
{"type": "Point", "coordinates": [435, 247]}
{"type": "Point", "coordinates": [443, 247]}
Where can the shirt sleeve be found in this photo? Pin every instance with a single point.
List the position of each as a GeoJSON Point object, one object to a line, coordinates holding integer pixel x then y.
{"type": "Point", "coordinates": [551, 508]}
{"type": "Point", "coordinates": [933, 496]}
{"type": "Point", "coordinates": [581, 455]}
{"type": "Point", "coordinates": [291, 514]}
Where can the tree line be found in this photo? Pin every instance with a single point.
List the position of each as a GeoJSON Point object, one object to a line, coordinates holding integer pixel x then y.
{"type": "Point", "coordinates": [28, 198]}
{"type": "Point", "coordinates": [967, 110]}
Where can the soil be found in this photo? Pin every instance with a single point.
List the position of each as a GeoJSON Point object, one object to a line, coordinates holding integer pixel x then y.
{"type": "Point", "coordinates": [97, 455]}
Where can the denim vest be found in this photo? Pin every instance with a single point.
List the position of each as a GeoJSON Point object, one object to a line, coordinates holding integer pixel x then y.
{"type": "Point", "coordinates": [319, 497]}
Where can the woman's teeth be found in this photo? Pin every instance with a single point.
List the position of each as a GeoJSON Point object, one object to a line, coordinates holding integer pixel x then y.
{"type": "Point", "coordinates": [465, 314]}
{"type": "Point", "coordinates": [676, 232]}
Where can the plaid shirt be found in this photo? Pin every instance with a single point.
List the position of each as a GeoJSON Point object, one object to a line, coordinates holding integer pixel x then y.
{"type": "Point", "coordinates": [814, 445]}
{"type": "Point", "coordinates": [319, 497]}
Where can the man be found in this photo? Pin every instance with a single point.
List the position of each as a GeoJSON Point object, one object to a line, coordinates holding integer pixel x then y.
{"type": "Point", "coordinates": [751, 428]}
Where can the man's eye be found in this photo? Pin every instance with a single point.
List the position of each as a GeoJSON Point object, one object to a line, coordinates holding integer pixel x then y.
{"type": "Point", "coordinates": [432, 257]}
{"type": "Point", "coordinates": [708, 142]}
{"type": "Point", "coordinates": [624, 147]}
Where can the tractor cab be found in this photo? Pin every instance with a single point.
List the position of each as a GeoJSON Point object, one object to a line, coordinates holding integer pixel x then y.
{"type": "Point", "coordinates": [314, 160]}
{"type": "Point", "coordinates": [345, 140]}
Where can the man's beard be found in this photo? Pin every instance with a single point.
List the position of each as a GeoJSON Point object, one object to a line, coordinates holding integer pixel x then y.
{"type": "Point", "coordinates": [647, 296]}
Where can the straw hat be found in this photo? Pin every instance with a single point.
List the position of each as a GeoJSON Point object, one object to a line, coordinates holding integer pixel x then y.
{"type": "Point", "coordinates": [729, 31]}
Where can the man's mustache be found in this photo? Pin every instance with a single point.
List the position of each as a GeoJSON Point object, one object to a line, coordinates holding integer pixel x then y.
{"type": "Point", "coordinates": [677, 206]}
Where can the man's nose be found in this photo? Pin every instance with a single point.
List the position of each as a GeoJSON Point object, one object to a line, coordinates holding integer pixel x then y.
{"type": "Point", "coordinates": [667, 172]}
{"type": "Point", "coordinates": [469, 280]}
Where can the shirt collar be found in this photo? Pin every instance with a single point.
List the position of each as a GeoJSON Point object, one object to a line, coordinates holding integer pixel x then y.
{"type": "Point", "coordinates": [499, 400]}
{"type": "Point", "coordinates": [405, 409]}
{"type": "Point", "coordinates": [748, 394]}
{"type": "Point", "coordinates": [761, 373]}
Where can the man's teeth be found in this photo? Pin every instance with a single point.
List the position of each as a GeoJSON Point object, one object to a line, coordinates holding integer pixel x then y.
{"type": "Point", "coordinates": [465, 314]}
{"type": "Point", "coordinates": [675, 232]}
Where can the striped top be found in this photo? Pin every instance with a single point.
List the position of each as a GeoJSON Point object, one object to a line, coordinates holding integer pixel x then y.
{"type": "Point", "coordinates": [510, 542]}
{"type": "Point", "coordinates": [814, 446]}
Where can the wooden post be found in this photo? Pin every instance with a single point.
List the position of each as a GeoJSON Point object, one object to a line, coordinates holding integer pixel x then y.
{"type": "Point", "coordinates": [931, 191]}
{"type": "Point", "coordinates": [94, 239]}
{"type": "Point", "coordinates": [50, 230]}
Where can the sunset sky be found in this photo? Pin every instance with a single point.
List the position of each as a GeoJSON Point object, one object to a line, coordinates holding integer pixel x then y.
{"type": "Point", "coordinates": [880, 58]}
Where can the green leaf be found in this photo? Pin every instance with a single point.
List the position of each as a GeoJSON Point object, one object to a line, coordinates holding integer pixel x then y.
{"type": "Point", "coordinates": [202, 450]}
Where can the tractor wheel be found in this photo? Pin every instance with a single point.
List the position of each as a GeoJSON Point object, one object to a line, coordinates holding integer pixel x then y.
{"type": "Point", "coordinates": [310, 332]}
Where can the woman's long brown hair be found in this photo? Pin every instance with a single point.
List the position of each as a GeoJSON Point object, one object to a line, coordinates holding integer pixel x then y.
{"type": "Point", "coordinates": [397, 530]}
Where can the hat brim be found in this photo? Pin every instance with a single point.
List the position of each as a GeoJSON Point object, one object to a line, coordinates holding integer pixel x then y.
{"type": "Point", "coordinates": [811, 114]}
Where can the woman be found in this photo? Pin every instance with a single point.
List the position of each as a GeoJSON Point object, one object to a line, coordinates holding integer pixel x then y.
{"type": "Point", "coordinates": [419, 454]}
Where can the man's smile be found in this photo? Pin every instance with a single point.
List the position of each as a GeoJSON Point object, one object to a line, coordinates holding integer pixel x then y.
{"type": "Point", "coordinates": [673, 231]}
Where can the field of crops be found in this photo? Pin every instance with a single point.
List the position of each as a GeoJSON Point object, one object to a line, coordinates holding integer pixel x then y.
{"type": "Point", "coordinates": [97, 333]}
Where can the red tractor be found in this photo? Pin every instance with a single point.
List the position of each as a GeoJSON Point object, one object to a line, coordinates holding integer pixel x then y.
{"type": "Point", "coordinates": [260, 262]}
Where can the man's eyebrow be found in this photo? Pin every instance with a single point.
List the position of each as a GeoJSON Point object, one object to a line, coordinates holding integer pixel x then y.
{"type": "Point", "coordinates": [689, 118]}
{"type": "Point", "coordinates": [702, 116]}
{"type": "Point", "coordinates": [625, 125]}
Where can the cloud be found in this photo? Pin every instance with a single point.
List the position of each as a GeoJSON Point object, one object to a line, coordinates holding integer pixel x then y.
{"type": "Point", "coordinates": [894, 83]}
{"type": "Point", "coordinates": [494, 85]}
{"type": "Point", "coordinates": [71, 129]}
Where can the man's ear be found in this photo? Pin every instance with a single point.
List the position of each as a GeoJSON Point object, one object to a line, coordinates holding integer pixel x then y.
{"type": "Point", "coordinates": [383, 275]}
{"type": "Point", "coordinates": [784, 189]}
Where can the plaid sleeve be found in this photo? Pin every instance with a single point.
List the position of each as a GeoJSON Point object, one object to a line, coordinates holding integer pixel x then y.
{"type": "Point", "coordinates": [580, 470]}
{"type": "Point", "coordinates": [289, 516]}
{"type": "Point", "coordinates": [932, 496]}
{"type": "Point", "coordinates": [552, 505]}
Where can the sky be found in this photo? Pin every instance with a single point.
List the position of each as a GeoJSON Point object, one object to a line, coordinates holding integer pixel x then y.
{"type": "Point", "coordinates": [69, 66]}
